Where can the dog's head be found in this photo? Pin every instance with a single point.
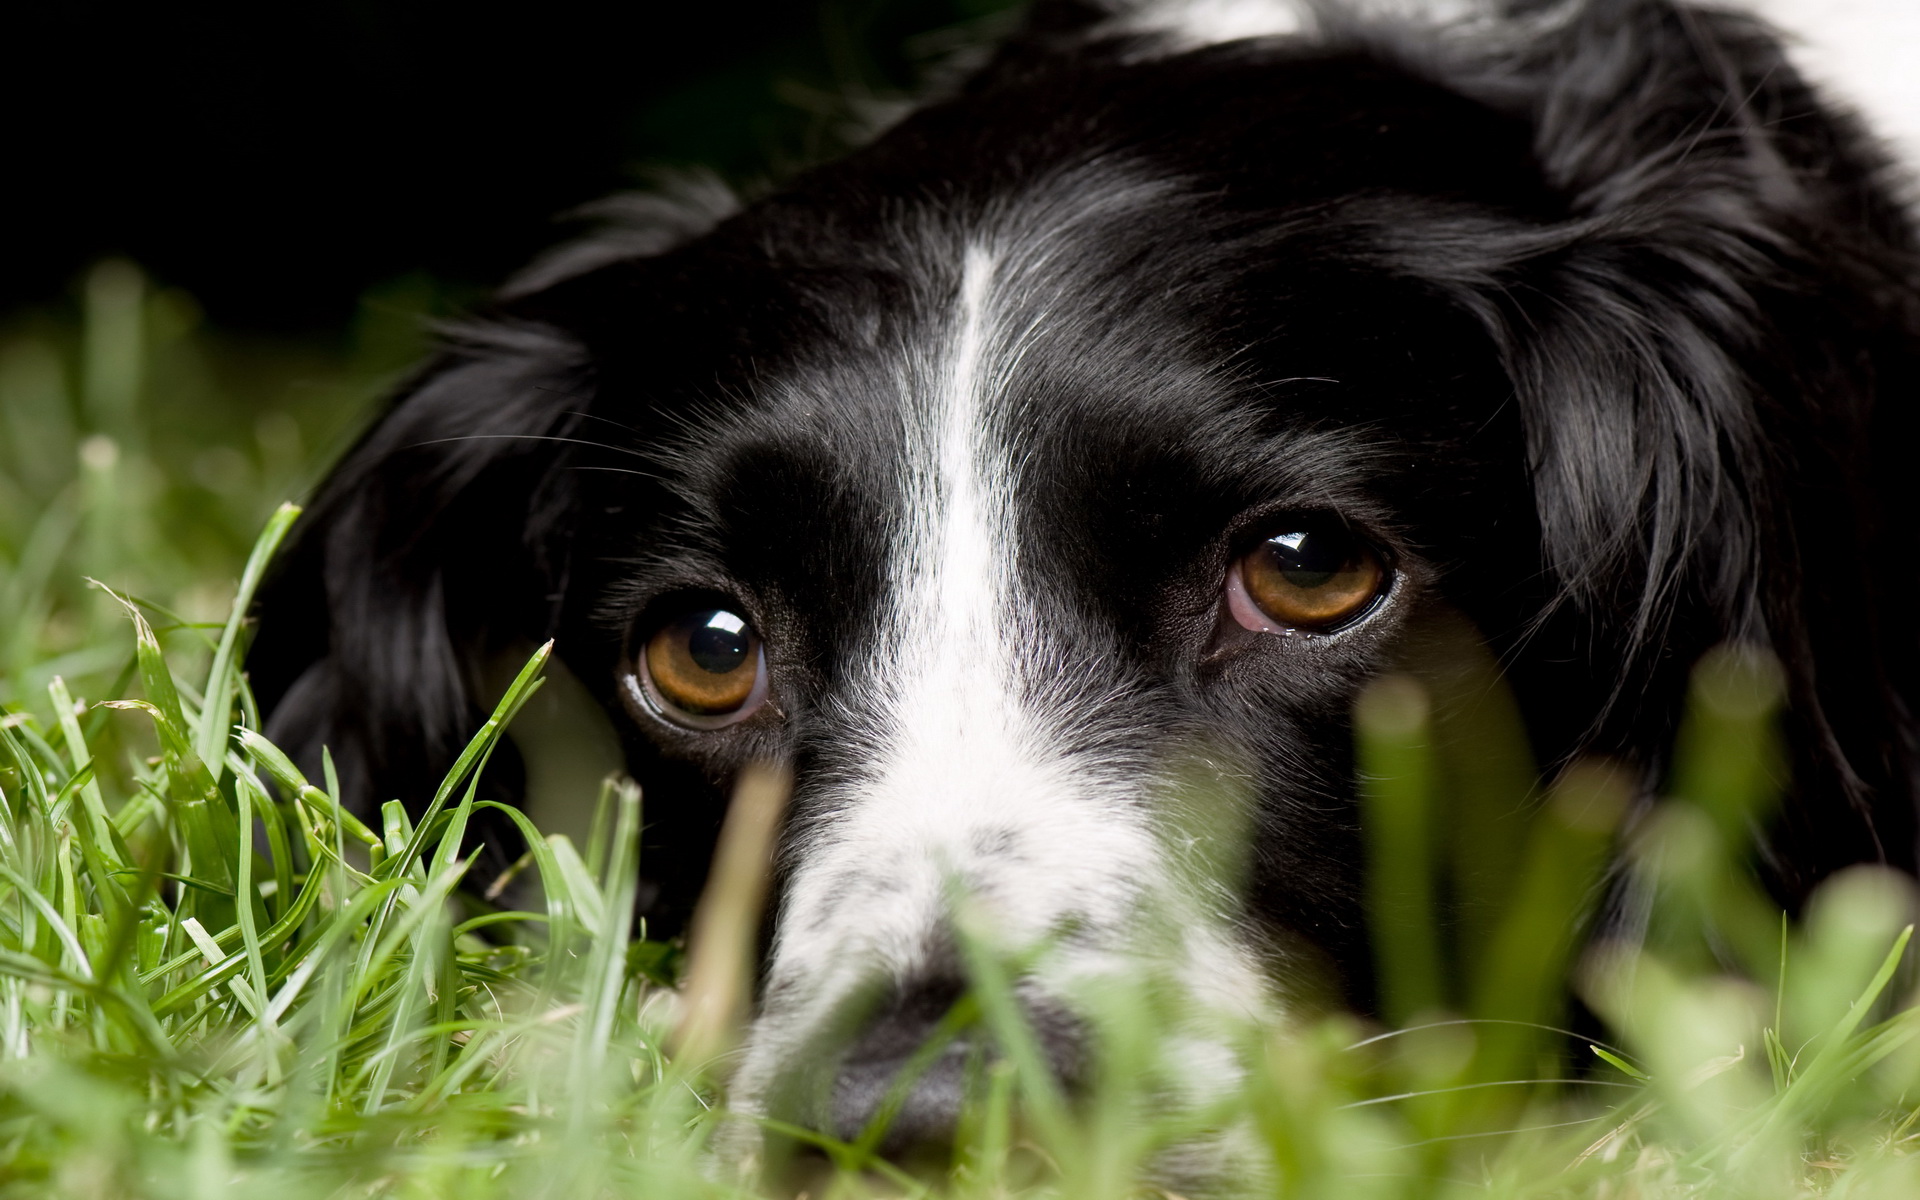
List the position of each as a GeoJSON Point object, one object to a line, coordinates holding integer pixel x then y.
{"type": "Point", "coordinates": [1043, 481]}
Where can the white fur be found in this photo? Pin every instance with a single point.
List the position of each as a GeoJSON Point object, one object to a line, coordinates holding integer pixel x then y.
{"type": "Point", "coordinates": [1865, 53]}
{"type": "Point", "coordinates": [962, 757]}
{"type": "Point", "coordinates": [968, 787]}
{"type": "Point", "coordinates": [1191, 24]}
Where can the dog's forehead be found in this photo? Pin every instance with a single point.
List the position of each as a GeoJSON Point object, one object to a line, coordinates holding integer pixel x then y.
{"type": "Point", "coordinates": [1078, 421]}
{"type": "Point", "coordinates": [1147, 327]}
{"type": "Point", "coordinates": [1122, 393]}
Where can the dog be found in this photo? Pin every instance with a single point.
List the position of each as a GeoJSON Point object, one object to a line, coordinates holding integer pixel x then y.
{"type": "Point", "coordinates": [1110, 421]}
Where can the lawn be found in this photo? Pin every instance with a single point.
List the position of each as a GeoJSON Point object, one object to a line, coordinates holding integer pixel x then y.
{"type": "Point", "coordinates": [215, 981]}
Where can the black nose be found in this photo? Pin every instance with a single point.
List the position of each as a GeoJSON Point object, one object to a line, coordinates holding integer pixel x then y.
{"type": "Point", "coordinates": [930, 1107]}
{"type": "Point", "coordinates": [927, 1109]}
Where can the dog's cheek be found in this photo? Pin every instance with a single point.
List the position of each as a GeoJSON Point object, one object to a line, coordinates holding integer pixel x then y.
{"type": "Point", "coordinates": [1287, 714]}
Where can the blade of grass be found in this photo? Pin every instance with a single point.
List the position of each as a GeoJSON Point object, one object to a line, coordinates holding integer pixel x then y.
{"type": "Point", "coordinates": [727, 922]}
{"type": "Point", "coordinates": [1392, 744]}
{"type": "Point", "coordinates": [210, 735]}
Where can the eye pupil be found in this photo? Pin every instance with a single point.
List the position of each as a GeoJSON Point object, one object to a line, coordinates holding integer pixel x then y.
{"type": "Point", "coordinates": [717, 649]}
{"type": "Point", "coordinates": [1310, 560]}
{"type": "Point", "coordinates": [1309, 578]}
{"type": "Point", "coordinates": [704, 668]}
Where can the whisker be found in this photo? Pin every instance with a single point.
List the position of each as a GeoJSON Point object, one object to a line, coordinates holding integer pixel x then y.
{"type": "Point", "coordinates": [623, 471]}
{"type": "Point", "coordinates": [1461, 1137]}
{"type": "Point", "coordinates": [1393, 1033]}
{"type": "Point", "coordinates": [1468, 1087]}
{"type": "Point", "coordinates": [532, 437]}
{"type": "Point", "coordinates": [622, 426]}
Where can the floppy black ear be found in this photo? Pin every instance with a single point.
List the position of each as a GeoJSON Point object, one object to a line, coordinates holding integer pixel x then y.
{"type": "Point", "coordinates": [440, 537]}
{"type": "Point", "coordinates": [1703, 348]}
{"type": "Point", "coordinates": [443, 538]}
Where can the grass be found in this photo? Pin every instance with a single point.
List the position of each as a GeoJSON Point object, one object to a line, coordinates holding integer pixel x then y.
{"type": "Point", "coordinates": [214, 981]}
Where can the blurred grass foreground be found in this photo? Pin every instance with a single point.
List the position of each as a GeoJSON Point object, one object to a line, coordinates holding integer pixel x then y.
{"type": "Point", "coordinates": [214, 981]}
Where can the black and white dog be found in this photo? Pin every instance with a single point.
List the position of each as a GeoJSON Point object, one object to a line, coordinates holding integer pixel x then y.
{"type": "Point", "coordinates": [1110, 423]}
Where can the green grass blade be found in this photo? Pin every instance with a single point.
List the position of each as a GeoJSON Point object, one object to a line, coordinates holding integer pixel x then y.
{"type": "Point", "coordinates": [223, 678]}
{"type": "Point", "coordinates": [1392, 742]}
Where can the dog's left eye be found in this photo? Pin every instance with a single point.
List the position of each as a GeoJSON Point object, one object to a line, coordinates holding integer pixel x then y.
{"type": "Point", "coordinates": [705, 669]}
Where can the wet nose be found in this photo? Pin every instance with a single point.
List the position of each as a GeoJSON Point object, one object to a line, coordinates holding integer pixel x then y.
{"type": "Point", "coordinates": [928, 1105]}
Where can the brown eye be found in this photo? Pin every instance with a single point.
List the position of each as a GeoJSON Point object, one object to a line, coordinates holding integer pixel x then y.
{"type": "Point", "coordinates": [705, 669]}
{"type": "Point", "coordinates": [1315, 579]}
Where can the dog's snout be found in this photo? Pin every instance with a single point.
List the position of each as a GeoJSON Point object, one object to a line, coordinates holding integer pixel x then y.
{"type": "Point", "coordinates": [899, 1070]}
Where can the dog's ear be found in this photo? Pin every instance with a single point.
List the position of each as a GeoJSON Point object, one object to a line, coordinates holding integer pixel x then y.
{"type": "Point", "coordinates": [1696, 343]}
{"type": "Point", "coordinates": [442, 540]}
{"type": "Point", "coordinates": [437, 539]}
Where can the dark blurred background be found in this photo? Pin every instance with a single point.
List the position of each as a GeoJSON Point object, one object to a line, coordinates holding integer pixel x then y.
{"type": "Point", "coordinates": [228, 228]}
{"type": "Point", "coordinates": [278, 160]}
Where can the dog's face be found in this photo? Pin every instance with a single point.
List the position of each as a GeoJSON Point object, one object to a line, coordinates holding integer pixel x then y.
{"type": "Point", "coordinates": [1044, 482]}
{"type": "Point", "coordinates": [1050, 539]}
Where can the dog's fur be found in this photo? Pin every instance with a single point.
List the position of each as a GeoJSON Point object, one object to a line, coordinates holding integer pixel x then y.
{"type": "Point", "coordinates": [1591, 316]}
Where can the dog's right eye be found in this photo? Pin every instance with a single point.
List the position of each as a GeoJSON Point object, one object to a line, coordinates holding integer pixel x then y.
{"type": "Point", "coordinates": [705, 669]}
{"type": "Point", "coordinates": [1315, 578]}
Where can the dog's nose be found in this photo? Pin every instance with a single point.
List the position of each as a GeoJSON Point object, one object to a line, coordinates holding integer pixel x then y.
{"type": "Point", "coordinates": [930, 1106]}
{"type": "Point", "coordinates": [926, 1106]}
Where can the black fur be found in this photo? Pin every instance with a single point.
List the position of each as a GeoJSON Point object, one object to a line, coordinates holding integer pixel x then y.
{"type": "Point", "coordinates": [1606, 324]}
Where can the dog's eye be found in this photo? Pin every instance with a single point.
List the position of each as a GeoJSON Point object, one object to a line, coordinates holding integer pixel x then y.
{"type": "Point", "coordinates": [705, 669]}
{"type": "Point", "coordinates": [1313, 578]}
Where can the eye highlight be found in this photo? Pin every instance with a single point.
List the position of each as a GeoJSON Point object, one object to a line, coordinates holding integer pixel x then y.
{"type": "Point", "coordinates": [705, 669]}
{"type": "Point", "coordinates": [1315, 578]}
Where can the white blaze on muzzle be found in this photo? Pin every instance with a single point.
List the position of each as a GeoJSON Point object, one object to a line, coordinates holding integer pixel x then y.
{"type": "Point", "coordinates": [964, 788]}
